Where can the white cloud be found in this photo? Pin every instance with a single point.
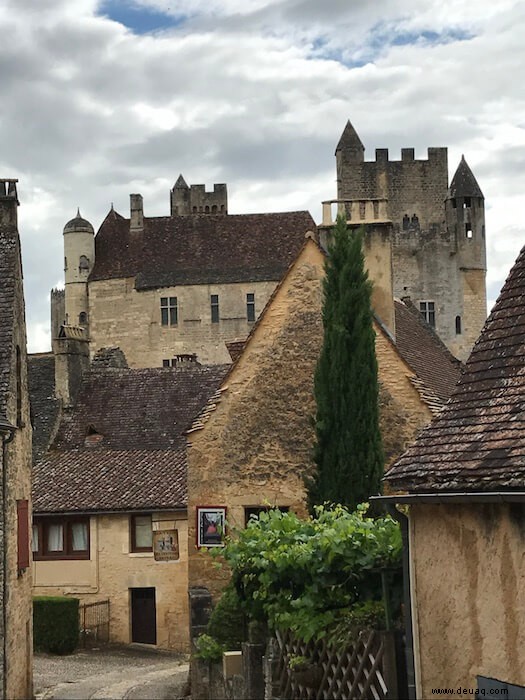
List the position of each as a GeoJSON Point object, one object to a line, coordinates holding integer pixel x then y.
{"type": "Point", "coordinates": [255, 94]}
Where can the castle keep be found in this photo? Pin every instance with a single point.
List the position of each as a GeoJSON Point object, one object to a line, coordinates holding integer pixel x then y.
{"type": "Point", "coordinates": [437, 232]}
{"type": "Point", "coordinates": [165, 287]}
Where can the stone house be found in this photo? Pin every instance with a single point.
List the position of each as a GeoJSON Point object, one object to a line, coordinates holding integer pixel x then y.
{"type": "Point", "coordinates": [437, 231]}
{"type": "Point", "coordinates": [252, 444]}
{"type": "Point", "coordinates": [464, 482]}
{"type": "Point", "coordinates": [110, 496]}
{"type": "Point", "coordinates": [16, 632]}
{"type": "Point", "coordinates": [162, 286]}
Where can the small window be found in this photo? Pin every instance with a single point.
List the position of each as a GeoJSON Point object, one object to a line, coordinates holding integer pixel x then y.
{"type": "Point", "coordinates": [250, 307]}
{"type": "Point", "coordinates": [165, 363]}
{"type": "Point", "coordinates": [466, 203]}
{"type": "Point", "coordinates": [468, 230]}
{"type": "Point", "coordinates": [83, 263]}
{"type": "Point", "coordinates": [22, 513]}
{"type": "Point", "coordinates": [141, 533]}
{"type": "Point", "coordinates": [65, 264]}
{"type": "Point", "coordinates": [454, 203]}
{"type": "Point", "coordinates": [253, 512]}
{"type": "Point", "coordinates": [82, 318]}
{"type": "Point", "coordinates": [458, 325]}
{"type": "Point", "coordinates": [169, 315]}
{"type": "Point", "coordinates": [67, 538]}
{"type": "Point", "coordinates": [214, 301]}
{"type": "Point", "coordinates": [428, 311]}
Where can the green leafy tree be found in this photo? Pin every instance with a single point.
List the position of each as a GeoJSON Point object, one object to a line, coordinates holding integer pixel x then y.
{"type": "Point", "coordinates": [348, 453]}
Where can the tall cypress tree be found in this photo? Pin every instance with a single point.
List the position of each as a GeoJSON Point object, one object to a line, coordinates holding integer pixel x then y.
{"type": "Point", "coordinates": [348, 452]}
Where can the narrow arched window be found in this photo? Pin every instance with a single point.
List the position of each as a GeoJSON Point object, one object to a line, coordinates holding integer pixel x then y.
{"type": "Point", "coordinates": [458, 325]}
{"type": "Point", "coordinates": [82, 318]}
{"type": "Point", "coordinates": [83, 263]}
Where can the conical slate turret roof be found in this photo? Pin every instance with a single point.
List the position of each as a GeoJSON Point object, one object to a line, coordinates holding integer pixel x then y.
{"type": "Point", "coordinates": [349, 139]}
{"type": "Point", "coordinates": [181, 183]}
{"type": "Point", "coordinates": [78, 224]}
{"type": "Point", "coordinates": [464, 184]}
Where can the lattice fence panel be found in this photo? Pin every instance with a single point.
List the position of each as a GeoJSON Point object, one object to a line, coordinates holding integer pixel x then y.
{"type": "Point", "coordinates": [351, 673]}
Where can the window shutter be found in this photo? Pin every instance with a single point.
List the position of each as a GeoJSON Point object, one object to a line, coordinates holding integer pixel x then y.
{"type": "Point", "coordinates": [22, 512]}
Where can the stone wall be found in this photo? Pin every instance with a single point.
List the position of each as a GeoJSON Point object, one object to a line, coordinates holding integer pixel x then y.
{"type": "Point", "coordinates": [467, 578]}
{"type": "Point", "coordinates": [112, 570]}
{"type": "Point", "coordinates": [132, 320]}
{"type": "Point", "coordinates": [17, 471]}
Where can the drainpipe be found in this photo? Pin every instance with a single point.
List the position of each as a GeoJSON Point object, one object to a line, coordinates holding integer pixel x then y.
{"type": "Point", "coordinates": [407, 599]}
{"type": "Point", "coordinates": [7, 433]}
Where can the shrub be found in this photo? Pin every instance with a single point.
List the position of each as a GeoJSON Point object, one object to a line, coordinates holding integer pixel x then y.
{"type": "Point", "coordinates": [208, 649]}
{"type": "Point", "coordinates": [55, 624]}
{"type": "Point", "coordinates": [227, 621]}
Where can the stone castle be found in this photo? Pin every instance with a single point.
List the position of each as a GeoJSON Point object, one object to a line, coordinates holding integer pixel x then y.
{"type": "Point", "coordinates": [163, 288]}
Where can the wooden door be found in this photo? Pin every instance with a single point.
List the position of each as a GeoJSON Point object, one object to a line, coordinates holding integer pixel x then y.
{"type": "Point", "coordinates": [143, 616]}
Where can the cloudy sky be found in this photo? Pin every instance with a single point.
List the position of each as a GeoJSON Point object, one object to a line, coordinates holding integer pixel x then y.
{"type": "Point", "coordinates": [102, 98]}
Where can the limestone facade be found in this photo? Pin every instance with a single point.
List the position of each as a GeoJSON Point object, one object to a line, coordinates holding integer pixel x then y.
{"type": "Point", "coordinates": [113, 570]}
{"type": "Point", "coordinates": [132, 319]}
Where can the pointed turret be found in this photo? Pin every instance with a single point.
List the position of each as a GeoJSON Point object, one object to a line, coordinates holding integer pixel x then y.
{"type": "Point", "coordinates": [464, 184]}
{"type": "Point", "coordinates": [350, 140]}
{"type": "Point", "coordinates": [180, 184]}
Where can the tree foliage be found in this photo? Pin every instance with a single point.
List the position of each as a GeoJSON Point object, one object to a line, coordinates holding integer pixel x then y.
{"type": "Point", "coordinates": [304, 574]}
{"type": "Point", "coordinates": [348, 452]}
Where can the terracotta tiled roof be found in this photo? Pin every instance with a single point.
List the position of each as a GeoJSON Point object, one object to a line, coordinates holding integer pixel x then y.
{"type": "Point", "coordinates": [235, 348]}
{"type": "Point", "coordinates": [203, 249]}
{"type": "Point", "coordinates": [92, 479]}
{"type": "Point", "coordinates": [123, 446]}
{"type": "Point", "coordinates": [478, 441]}
{"type": "Point", "coordinates": [424, 351]}
{"type": "Point", "coordinates": [44, 406]}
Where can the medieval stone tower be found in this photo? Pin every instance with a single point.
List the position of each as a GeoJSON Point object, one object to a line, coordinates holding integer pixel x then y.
{"type": "Point", "coordinates": [437, 233]}
{"type": "Point", "coordinates": [79, 257]}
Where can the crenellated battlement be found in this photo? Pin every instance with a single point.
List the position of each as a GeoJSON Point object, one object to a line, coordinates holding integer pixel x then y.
{"type": "Point", "coordinates": [195, 199]}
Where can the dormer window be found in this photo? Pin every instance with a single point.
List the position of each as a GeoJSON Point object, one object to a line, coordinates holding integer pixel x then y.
{"type": "Point", "coordinates": [93, 437]}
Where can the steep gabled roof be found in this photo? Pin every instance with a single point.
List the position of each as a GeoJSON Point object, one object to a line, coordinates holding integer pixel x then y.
{"type": "Point", "coordinates": [44, 406]}
{"type": "Point", "coordinates": [464, 184]}
{"type": "Point", "coordinates": [423, 350]}
{"type": "Point", "coordinates": [122, 446]}
{"type": "Point", "coordinates": [9, 255]}
{"type": "Point", "coordinates": [478, 442]}
{"type": "Point", "coordinates": [203, 249]}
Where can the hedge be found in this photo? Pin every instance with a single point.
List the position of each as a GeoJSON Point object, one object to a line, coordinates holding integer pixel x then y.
{"type": "Point", "coordinates": [55, 624]}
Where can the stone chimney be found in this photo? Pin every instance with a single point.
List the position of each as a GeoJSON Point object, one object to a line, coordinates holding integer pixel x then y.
{"type": "Point", "coordinates": [136, 213]}
{"type": "Point", "coordinates": [71, 351]}
{"type": "Point", "coordinates": [8, 203]}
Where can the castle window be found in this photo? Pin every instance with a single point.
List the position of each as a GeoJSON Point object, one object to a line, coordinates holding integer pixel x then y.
{"type": "Point", "coordinates": [206, 209]}
{"type": "Point", "coordinates": [458, 325]}
{"type": "Point", "coordinates": [406, 222]}
{"type": "Point", "coordinates": [165, 363]}
{"type": "Point", "coordinates": [82, 318]}
{"type": "Point", "coordinates": [141, 532]}
{"type": "Point", "coordinates": [214, 209]}
{"type": "Point", "coordinates": [65, 264]}
{"type": "Point", "coordinates": [169, 311]}
{"type": "Point", "coordinates": [428, 311]}
{"type": "Point", "coordinates": [250, 307]}
{"type": "Point", "coordinates": [64, 538]}
{"type": "Point", "coordinates": [468, 230]}
{"type": "Point", "coordinates": [466, 203]}
{"type": "Point", "coordinates": [194, 210]}
{"type": "Point", "coordinates": [83, 264]}
{"type": "Point", "coordinates": [214, 302]}
{"type": "Point", "coordinates": [454, 203]}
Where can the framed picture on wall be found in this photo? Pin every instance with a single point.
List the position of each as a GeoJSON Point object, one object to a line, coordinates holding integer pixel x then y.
{"type": "Point", "coordinates": [211, 526]}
